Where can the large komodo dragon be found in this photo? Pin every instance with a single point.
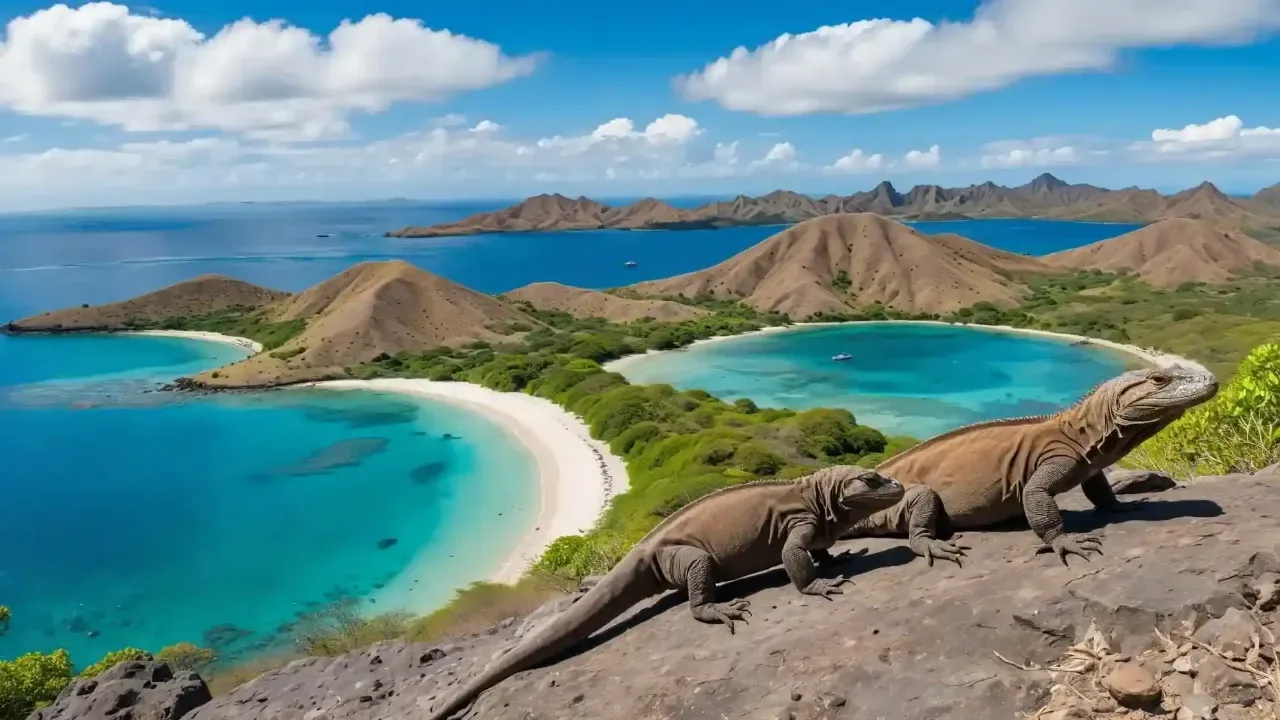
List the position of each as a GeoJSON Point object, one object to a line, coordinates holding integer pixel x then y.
{"type": "Point", "coordinates": [726, 535]}
{"type": "Point", "coordinates": [992, 472]}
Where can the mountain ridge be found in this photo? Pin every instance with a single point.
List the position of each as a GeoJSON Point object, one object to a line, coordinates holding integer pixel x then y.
{"type": "Point", "coordinates": [1044, 197]}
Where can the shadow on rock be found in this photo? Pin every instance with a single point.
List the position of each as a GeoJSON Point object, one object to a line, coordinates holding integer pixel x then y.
{"type": "Point", "coordinates": [1150, 511]}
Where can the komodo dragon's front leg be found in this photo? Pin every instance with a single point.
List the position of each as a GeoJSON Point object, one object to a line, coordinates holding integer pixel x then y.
{"type": "Point", "coordinates": [694, 568]}
{"type": "Point", "coordinates": [1050, 478]}
{"type": "Point", "coordinates": [799, 565]}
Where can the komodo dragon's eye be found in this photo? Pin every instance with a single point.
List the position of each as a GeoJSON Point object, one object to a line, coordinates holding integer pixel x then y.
{"type": "Point", "coordinates": [1159, 379]}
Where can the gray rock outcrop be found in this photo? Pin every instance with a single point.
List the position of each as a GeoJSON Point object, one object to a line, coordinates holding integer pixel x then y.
{"type": "Point", "coordinates": [132, 690]}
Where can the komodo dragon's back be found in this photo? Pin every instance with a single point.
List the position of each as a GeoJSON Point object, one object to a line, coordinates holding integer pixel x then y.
{"type": "Point", "coordinates": [978, 469]}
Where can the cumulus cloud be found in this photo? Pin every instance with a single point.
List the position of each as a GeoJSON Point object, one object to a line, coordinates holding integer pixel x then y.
{"type": "Point", "coordinates": [103, 63]}
{"type": "Point", "coordinates": [857, 162]}
{"type": "Point", "coordinates": [1223, 138]}
{"type": "Point", "coordinates": [782, 156]}
{"type": "Point", "coordinates": [1037, 153]}
{"type": "Point", "coordinates": [882, 64]}
{"type": "Point", "coordinates": [486, 150]}
{"type": "Point", "coordinates": [923, 158]}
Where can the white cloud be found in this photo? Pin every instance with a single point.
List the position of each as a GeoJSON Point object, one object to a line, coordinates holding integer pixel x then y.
{"type": "Point", "coordinates": [1041, 152]}
{"type": "Point", "coordinates": [450, 120]}
{"type": "Point", "coordinates": [17, 138]}
{"type": "Point", "coordinates": [923, 158]}
{"type": "Point", "coordinates": [782, 156]}
{"type": "Point", "coordinates": [484, 151]}
{"type": "Point", "coordinates": [882, 64]}
{"type": "Point", "coordinates": [1220, 139]}
{"type": "Point", "coordinates": [103, 63]}
{"type": "Point", "coordinates": [857, 162]}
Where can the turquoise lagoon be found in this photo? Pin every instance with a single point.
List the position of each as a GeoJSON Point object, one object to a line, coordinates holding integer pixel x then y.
{"type": "Point", "coordinates": [908, 379]}
{"type": "Point", "coordinates": [136, 518]}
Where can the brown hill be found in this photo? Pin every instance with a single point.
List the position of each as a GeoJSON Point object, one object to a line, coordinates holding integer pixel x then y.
{"type": "Point", "coordinates": [796, 271]}
{"type": "Point", "coordinates": [593, 303]}
{"type": "Point", "coordinates": [540, 212]}
{"type": "Point", "coordinates": [1045, 196]}
{"type": "Point", "coordinates": [1174, 251]}
{"type": "Point", "coordinates": [199, 296]}
{"type": "Point", "coordinates": [1269, 196]}
{"type": "Point", "coordinates": [371, 308]}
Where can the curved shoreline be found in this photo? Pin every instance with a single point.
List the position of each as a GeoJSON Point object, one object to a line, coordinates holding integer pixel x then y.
{"type": "Point", "coordinates": [577, 475]}
{"type": "Point", "coordinates": [252, 346]}
{"type": "Point", "coordinates": [1150, 356]}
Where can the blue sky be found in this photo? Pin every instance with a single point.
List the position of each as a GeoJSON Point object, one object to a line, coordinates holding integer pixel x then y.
{"type": "Point", "coordinates": [191, 101]}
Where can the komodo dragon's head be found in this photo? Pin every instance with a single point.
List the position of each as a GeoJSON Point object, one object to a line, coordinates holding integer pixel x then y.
{"type": "Point", "coordinates": [1157, 396]}
{"type": "Point", "coordinates": [850, 493]}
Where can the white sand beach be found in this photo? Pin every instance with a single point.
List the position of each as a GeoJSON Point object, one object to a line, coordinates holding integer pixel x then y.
{"type": "Point", "coordinates": [250, 345]}
{"type": "Point", "coordinates": [1151, 356]}
{"type": "Point", "coordinates": [578, 475]}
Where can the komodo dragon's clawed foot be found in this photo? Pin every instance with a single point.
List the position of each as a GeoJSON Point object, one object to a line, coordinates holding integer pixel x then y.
{"type": "Point", "coordinates": [1080, 545]}
{"type": "Point", "coordinates": [824, 587]}
{"type": "Point", "coordinates": [931, 548]}
{"type": "Point", "coordinates": [725, 613]}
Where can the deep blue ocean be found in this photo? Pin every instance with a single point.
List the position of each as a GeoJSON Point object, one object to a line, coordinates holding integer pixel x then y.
{"type": "Point", "coordinates": [130, 517]}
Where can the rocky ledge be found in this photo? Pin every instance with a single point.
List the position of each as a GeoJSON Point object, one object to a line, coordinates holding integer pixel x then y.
{"type": "Point", "coordinates": [1176, 620]}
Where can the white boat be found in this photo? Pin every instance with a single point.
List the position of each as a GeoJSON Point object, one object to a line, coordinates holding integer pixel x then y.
{"type": "Point", "coordinates": [842, 356]}
{"type": "Point", "coordinates": [630, 263]}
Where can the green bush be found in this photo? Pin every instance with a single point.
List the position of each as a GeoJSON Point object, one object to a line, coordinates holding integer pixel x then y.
{"type": "Point", "coordinates": [32, 681]}
{"type": "Point", "coordinates": [112, 659]}
{"type": "Point", "coordinates": [6, 617]}
{"type": "Point", "coordinates": [341, 628]}
{"type": "Point", "coordinates": [1237, 431]}
{"type": "Point", "coordinates": [187, 656]}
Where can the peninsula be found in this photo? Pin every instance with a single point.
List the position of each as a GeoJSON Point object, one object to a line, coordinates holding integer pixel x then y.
{"type": "Point", "coordinates": [1044, 197]}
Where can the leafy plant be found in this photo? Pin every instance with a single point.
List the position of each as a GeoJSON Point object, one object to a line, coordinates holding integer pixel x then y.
{"type": "Point", "coordinates": [187, 656]}
{"type": "Point", "coordinates": [1237, 431]}
{"type": "Point", "coordinates": [32, 681]}
{"type": "Point", "coordinates": [112, 659]}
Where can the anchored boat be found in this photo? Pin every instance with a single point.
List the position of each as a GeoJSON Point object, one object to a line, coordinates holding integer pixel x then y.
{"type": "Point", "coordinates": [842, 356]}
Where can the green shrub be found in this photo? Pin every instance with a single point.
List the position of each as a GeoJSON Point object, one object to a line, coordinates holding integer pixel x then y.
{"type": "Point", "coordinates": [6, 617]}
{"type": "Point", "coordinates": [745, 405]}
{"type": "Point", "coordinates": [187, 656]}
{"type": "Point", "coordinates": [1237, 431]}
{"type": "Point", "coordinates": [32, 681]}
{"type": "Point", "coordinates": [112, 659]}
{"type": "Point", "coordinates": [341, 628]}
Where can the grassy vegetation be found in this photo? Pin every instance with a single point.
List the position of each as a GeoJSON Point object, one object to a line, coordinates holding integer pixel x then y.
{"type": "Point", "coordinates": [1216, 325]}
{"type": "Point", "coordinates": [240, 321]}
{"type": "Point", "coordinates": [1237, 431]}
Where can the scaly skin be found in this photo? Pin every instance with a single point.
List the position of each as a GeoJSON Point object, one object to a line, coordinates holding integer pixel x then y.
{"type": "Point", "coordinates": [991, 472]}
{"type": "Point", "coordinates": [726, 535]}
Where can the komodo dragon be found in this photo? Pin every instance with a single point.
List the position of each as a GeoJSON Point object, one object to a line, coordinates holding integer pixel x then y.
{"type": "Point", "coordinates": [991, 472]}
{"type": "Point", "coordinates": [725, 535]}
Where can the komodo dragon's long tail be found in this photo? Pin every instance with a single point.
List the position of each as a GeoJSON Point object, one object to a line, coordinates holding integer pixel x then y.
{"type": "Point", "coordinates": [623, 587]}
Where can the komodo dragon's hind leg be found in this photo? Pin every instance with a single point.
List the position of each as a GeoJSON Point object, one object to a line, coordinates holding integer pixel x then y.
{"type": "Point", "coordinates": [1097, 488]}
{"type": "Point", "coordinates": [924, 510]}
{"type": "Point", "coordinates": [694, 569]}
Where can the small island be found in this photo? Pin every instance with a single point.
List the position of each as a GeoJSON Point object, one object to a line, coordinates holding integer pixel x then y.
{"type": "Point", "coordinates": [1044, 197]}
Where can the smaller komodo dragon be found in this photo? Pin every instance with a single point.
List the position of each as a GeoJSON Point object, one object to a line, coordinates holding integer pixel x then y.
{"type": "Point", "coordinates": [991, 472]}
{"type": "Point", "coordinates": [725, 535]}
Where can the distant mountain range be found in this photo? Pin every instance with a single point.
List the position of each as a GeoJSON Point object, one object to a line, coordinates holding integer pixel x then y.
{"type": "Point", "coordinates": [1044, 197]}
{"type": "Point", "coordinates": [830, 265]}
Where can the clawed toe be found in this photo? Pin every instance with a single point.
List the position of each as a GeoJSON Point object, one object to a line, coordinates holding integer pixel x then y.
{"type": "Point", "coordinates": [724, 613]}
{"type": "Point", "coordinates": [1079, 546]}
{"type": "Point", "coordinates": [825, 588]}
